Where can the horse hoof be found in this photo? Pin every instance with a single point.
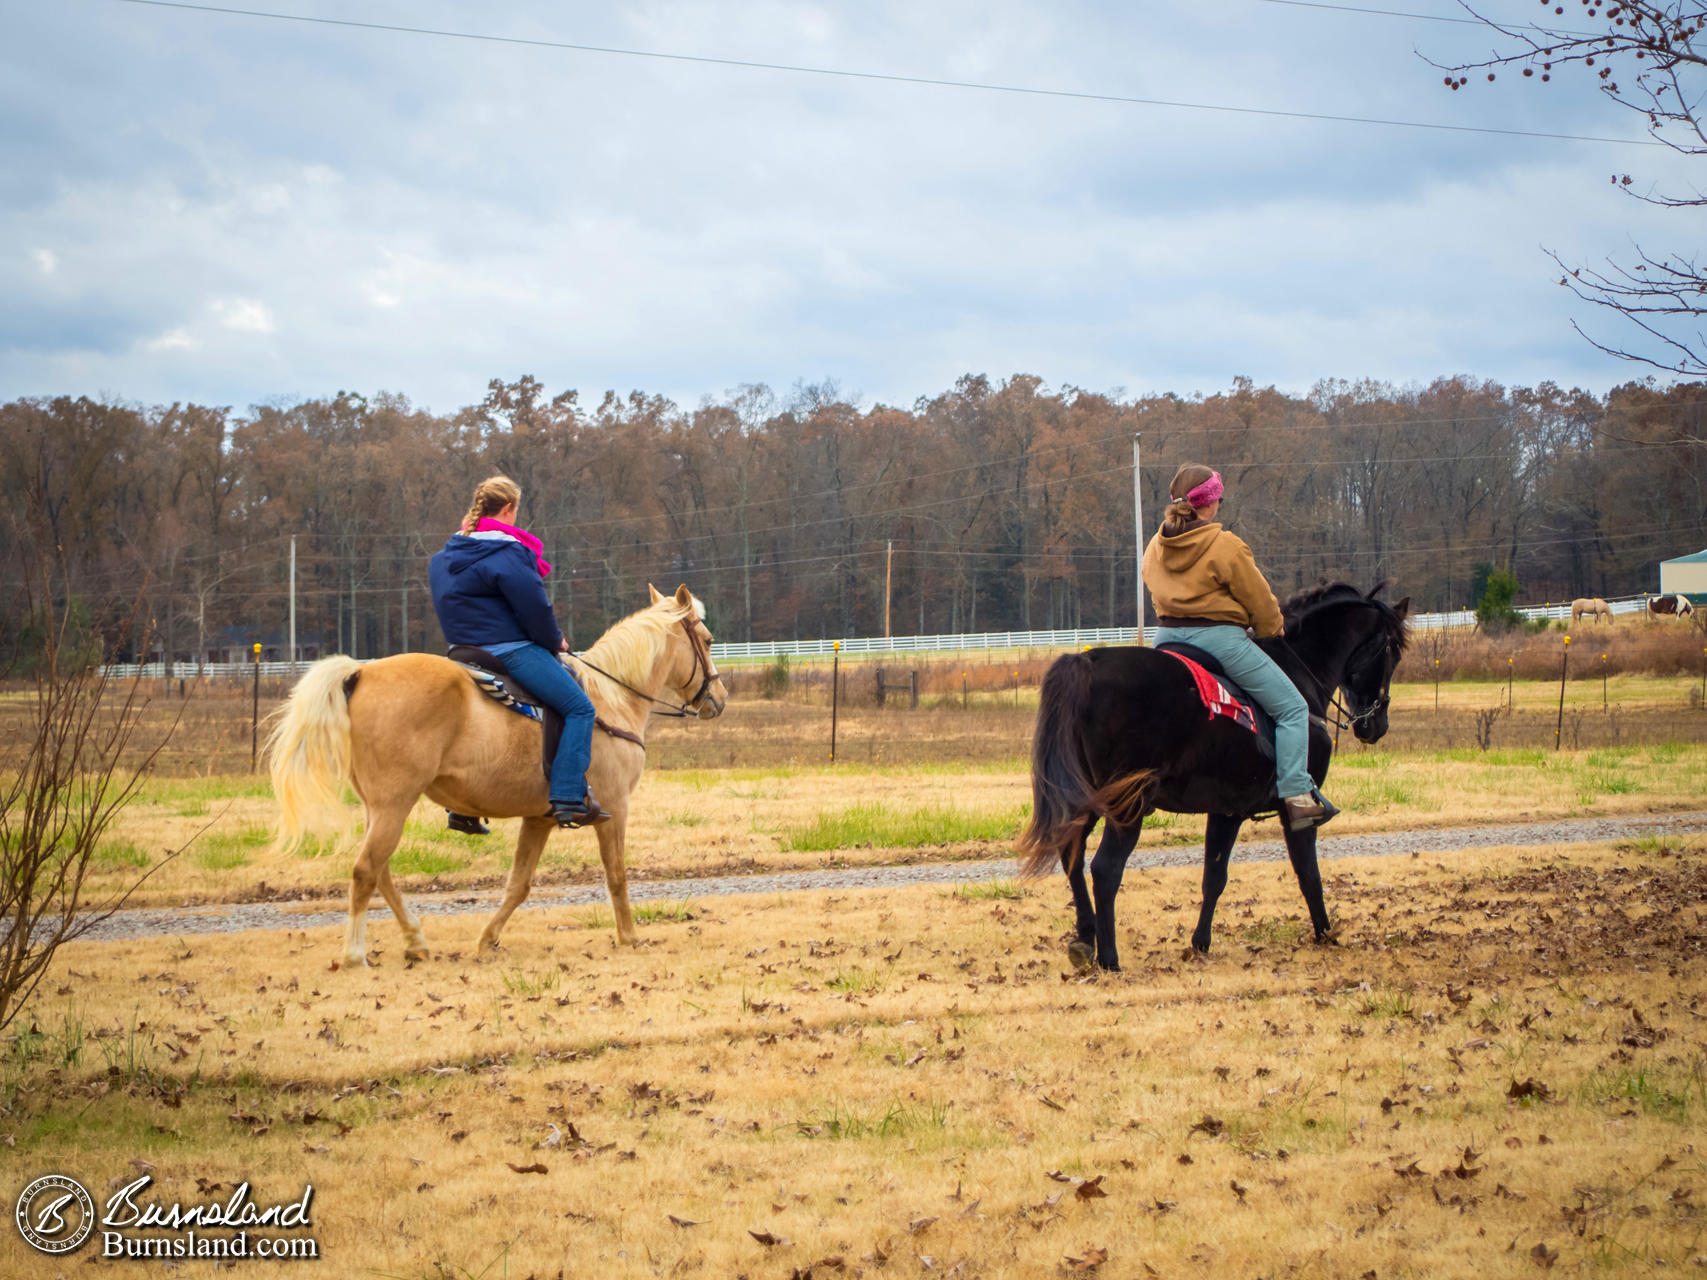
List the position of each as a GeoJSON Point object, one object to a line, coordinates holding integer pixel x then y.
{"type": "Point", "coordinates": [353, 962]}
{"type": "Point", "coordinates": [1195, 954]}
{"type": "Point", "coordinates": [415, 953]}
{"type": "Point", "coordinates": [1082, 954]}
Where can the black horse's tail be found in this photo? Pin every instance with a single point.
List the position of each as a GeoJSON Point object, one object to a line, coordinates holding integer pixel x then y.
{"type": "Point", "coordinates": [1064, 796]}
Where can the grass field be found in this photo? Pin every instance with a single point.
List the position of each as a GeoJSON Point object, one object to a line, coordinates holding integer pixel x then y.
{"type": "Point", "coordinates": [696, 822]}
{"type": "Point", "coordinates": [1499, 1072]}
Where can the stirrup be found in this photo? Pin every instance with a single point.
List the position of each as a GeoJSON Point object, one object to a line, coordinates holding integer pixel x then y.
{"type": "Point", "coordinates": [584, 812]}
{"type": "Point", "coordinates": [1316, 811]}
{"type": "Point", "coordinates": [466, 823]}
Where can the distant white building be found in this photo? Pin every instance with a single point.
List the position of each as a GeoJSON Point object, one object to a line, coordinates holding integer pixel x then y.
{"type": "Point", "coordinates": [1686, 576]}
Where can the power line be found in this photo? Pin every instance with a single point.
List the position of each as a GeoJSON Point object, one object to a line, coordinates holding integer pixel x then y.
{"type": "Point", "coordinates": [887, 77]}
{"type": "Point", "coordinates": [1378, 13]}
{"type": "Point", "coordinates": [1402, 13]}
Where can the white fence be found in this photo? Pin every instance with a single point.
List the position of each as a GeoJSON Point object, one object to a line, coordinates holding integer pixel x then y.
{"type": "Point", "coordinates": [860, 646]}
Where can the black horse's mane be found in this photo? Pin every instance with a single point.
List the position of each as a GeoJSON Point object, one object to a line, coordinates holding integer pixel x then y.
{"type": "Point", "coordinates": [1301, 606]}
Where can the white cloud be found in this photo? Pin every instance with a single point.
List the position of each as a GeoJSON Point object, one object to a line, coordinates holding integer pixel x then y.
{"type": "Point", "coordinates": [244, 315]}
{"type": "Point", "coordinates": [46, 260]}
{"type": "Point", "coordinates": [175, 340]}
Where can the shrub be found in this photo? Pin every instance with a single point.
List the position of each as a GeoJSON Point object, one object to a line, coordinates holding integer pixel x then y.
{"type": "Point", "coordinates": [776, 679]}
{"type": "Point", "coordinates": [1495, 612]}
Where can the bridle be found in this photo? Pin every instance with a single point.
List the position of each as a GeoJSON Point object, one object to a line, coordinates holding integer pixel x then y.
{"type": "Point", "coordinates": [1331, 700]}
{"type": "Point", "coordinates": [702, 666]}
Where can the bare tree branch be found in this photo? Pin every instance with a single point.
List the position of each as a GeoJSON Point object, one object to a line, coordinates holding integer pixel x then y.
{"type": "Point", "coordinates": [1652, 47]}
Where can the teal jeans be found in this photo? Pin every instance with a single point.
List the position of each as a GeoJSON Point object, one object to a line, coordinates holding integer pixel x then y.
{"type": "Point", "coordinates": [1254, 671]}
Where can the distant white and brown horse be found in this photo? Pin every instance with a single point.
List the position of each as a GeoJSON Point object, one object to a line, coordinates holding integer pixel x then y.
{"type": "Point", "coordinates": [1590, 604]}
{"type": "Point", "coordinates": [416, 724]}
{"type": "Point", "coordinates": [1677, 605]}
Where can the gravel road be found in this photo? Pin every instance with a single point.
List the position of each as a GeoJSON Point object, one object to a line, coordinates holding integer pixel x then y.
{"type": "Point", "coordinates": [170, 922]}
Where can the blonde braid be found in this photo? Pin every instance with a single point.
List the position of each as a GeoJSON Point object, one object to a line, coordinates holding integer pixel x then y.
{"type": "Point", "coordinates": [491, 496]}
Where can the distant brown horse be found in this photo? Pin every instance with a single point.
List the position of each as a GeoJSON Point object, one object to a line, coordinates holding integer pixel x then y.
{"type": "Point", "coordinates": [1588, 604]}
{"type": "Point", "coordinates": [416, 724]}
{"type": "Point", "coordinates": [1671, 605]}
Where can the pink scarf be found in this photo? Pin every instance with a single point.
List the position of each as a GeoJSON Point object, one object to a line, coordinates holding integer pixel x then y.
{"type": "Point", "coordinates": [533, 544]}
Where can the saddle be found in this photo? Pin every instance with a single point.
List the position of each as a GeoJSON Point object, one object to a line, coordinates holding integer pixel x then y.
{"type": "Point", "coordinates": [1221, 697]}
{"type": "Point", "coordinates": [493, 678]}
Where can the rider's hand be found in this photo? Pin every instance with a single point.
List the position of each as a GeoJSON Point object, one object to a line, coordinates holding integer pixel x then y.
{"type": "Point", "coordinates": [563, 645]}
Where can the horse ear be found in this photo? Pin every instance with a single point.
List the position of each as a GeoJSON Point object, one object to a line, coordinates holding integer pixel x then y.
{"type": "Point", "coordinates": [684, 597]}
{"type": "Point", "coordinates": [1403, 608]}
{"type": "Point", "coordinates": [654, 590]}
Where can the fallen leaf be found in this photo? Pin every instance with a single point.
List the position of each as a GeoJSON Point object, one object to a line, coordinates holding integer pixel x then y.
{"type": "Point", "coordinates": [918, 1225]}
{"type": "Point", "coordinates": [1544, 1257]}
{"type": "Point", "coordinates": [768, 1240]}
{"type": "Point", "coordinates": [682, 1222]}
{"type": "Point", "coordinates": [527, 1168]}
{"type": "Point", "coordinates": [1092, 1259]}
{"type": "Point", "coordinates": [1529, 1090]}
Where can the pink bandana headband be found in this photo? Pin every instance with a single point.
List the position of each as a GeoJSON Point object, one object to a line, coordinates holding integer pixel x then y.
{"type": "Point", "coordinates": [1208, 492]}
{"type": "Point", "coordinates": [533, 544]}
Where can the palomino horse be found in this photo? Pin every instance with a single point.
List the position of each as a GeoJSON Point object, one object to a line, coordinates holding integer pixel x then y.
{"type": "Point", "coordinates": [1677, 605]}
{"type": "Point", "coordinates": [416, 724]}
{"type": "Point", "coordinates": [1586, 604]}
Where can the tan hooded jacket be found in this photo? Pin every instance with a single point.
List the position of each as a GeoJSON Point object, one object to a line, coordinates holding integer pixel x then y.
{"type": "Point", "coordinates": [1204, 572]}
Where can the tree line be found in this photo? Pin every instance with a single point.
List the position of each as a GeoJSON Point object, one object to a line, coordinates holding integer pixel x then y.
{"type": "Point", "coordinates": [993, 506]}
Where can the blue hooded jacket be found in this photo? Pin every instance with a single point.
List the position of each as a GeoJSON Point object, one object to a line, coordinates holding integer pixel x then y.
{"type": "Point", "coordinates": [488, 590]}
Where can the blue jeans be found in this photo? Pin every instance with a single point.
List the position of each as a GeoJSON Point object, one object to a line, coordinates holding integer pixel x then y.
{"type": "Point", "coordinates": [541, 674]}
{"type": "Point", "coordinates": [1254, 671]}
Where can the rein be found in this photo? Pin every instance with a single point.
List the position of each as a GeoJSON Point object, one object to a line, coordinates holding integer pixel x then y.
{"type": "Point", "coordinates": [701, 663]}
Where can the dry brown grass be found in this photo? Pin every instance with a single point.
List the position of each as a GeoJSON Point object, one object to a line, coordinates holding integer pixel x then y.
{"type": "Point", "coordinates": [1632, 642]}
{"type": "Point", "coordinates": [1502, 1063]}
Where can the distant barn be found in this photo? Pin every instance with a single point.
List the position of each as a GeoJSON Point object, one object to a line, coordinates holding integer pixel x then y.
{"type": "Point", "coordinates": [1685, 576]}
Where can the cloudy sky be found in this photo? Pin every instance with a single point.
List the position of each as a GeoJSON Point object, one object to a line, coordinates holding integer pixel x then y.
{"type": "Point", "coordinates": [235, 209]}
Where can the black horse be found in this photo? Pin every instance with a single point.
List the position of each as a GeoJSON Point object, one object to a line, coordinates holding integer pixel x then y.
{"type": "Point", "coordinates": [1122, 732]}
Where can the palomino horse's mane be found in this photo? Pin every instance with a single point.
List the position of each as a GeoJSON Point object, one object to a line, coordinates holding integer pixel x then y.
{"type": "Point", "coordinates": [1302, 606]}
{"type": "Point", "coordinates": [635, 645]}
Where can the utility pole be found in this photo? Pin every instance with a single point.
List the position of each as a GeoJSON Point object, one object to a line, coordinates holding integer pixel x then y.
{"type": "Point", "coordinates": [888, 577]}
{"type": "Point", "coordinates": [293, 604]}
{"type": "Point", "coordinates": [1138, 533]}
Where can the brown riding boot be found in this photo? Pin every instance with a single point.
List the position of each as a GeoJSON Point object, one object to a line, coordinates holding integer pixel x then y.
{"type": "Point", "coordinates": [1303, 812]}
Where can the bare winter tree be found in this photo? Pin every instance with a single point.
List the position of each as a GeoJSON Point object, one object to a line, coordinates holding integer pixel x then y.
{"type": "Point", "coordinates": [62, 781]}
{"type": "Point", "coordinates": [1644, 59]}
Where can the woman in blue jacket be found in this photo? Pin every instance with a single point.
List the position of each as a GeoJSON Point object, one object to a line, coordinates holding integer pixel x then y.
{"type": "Point", "coordinates": [489, 591]}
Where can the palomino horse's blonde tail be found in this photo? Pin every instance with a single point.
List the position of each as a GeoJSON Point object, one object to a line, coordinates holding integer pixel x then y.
{"type": "Point", "coordinates": [308, 752]}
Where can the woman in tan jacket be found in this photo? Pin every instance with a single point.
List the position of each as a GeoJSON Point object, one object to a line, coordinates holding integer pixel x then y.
{"type": "Point", "coordinates": [1208, 590]}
